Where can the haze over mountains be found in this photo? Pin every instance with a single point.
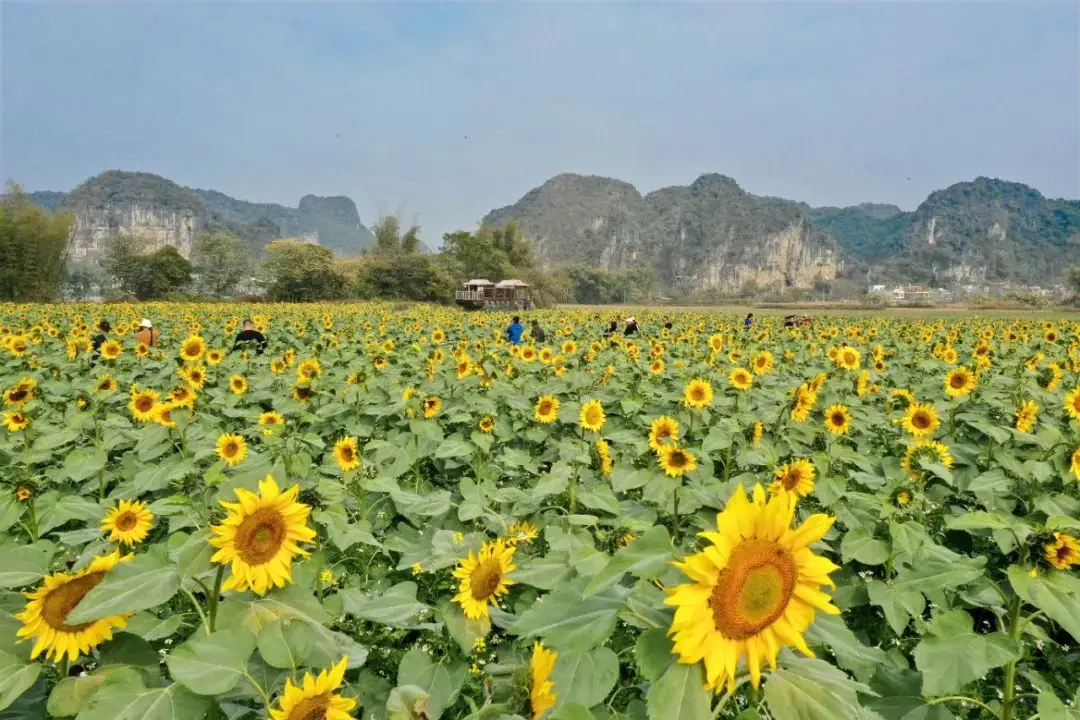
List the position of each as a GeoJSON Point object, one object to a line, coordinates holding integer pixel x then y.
{"type": "Point", "coordinates": [708, 234]}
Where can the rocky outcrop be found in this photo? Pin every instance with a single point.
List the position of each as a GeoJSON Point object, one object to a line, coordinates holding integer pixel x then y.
{"type": "Point", "coordinates": [94, 226]}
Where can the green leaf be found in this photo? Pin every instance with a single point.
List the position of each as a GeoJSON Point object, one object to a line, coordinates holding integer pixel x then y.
{"type": "Point", "coordinates": [174, 702]}
{"type": "Point", "coordinates": [680, 694]}
{"type": "Point", "coordinates": [644, 557]}
{"type": "Point", "coordinates": [285, 643]}
{"type": "Point", "coordinates": [572, 711]}
{"type": "Point", "coordinates": [1051, 708]}
{"type": "Point", "coordinates": [1056, 594]}
{"type": "Point", "coordinates": [653, 653]}
{"type": "Point", "coordinates": [858, 544]}
{"type": "Point", "coordinates": [397, 607]}
{"type": "Point", "coordinates": [851, 653]}
{"type": "Point", "coordinates": [143, 583]}
{"type": "Point", "coordinates": [11, 509]}
{"type": "Point", "coordinates": [441, 680]}
{"type": "Point", "coordinates": [951, 654]}
{"type": "Point", "coordinates": [72, 694]}
{"type": "Point", "coordinates": [213, 664]}
{"type": "Point", "coordinates": [899, 606]}
{"type": "Point", "coordinates": [806, 689]}
{"type": "Point", "coordinates": [407, 702]}
{"type": "Point", "coordinates": [464, 631]}
{"type": "Point", "coordinates": [932, 573]}
{"type": "Point", "coordinates": [546, 573]}
{"type": "Point", "coordinates": [585, 677]}
{"type": "Point", "coordinates": [150, 627]}
{"type": "Point", "coordinates": [65, 509]}
{"type": "Point", "coordinates": [454, 446]}
{"type": "Point", "coordinates": [25, 564]}
{"type": "Point", "coordinates": [16, 677]}
{"type": "Point", "coordinates": [80, 464]}
{"type": "Point", "coordinates": [567, 622]}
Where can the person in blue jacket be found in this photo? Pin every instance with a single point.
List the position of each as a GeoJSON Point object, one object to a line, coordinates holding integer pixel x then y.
{"type": "Point", "coordinates": [515, 330]}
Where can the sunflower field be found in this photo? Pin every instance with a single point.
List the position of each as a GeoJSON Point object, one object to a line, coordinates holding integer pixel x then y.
{"type": "Point", "coordinates": [390, 512]}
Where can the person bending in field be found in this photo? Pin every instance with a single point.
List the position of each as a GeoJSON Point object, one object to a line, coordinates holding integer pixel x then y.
{"type": "Point", "coordinates": [514, 331]}
{"type": "Point", "coordinates": [98, 340]}
{"type": "Point", "coordinates": [249, 335]}
{"type": "Point", "coordinates": [537, 332]}
{"type": "Point", "coordinates": [147, 334]}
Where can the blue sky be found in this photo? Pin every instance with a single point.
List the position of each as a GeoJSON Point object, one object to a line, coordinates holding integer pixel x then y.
{"type": "Point", "coordinates": [441, 112]}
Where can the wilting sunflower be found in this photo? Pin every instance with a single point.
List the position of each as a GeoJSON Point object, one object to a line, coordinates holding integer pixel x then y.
{"type": "Point", "coordinates": [142, 404]}
{"type": "Point", "coordinates": [346, 455]}
{"type": "Point", "coordinates": [231, 448]}
{"type": "Point", "coordinates": [163, 414]}
{"type": "Point", "coordinates": [128, 523]}
{"type": "Point", "coordinates": [315, 699]}
{"type": "Point", "coordinates": [238, 384]}
{"type": "Point", "coordinates": [21, 393]}
{"type": "Point", "coordinates": [755, 588]}
{"type": "Point", "coordinates": [110, 350]}
{"type": "Point", "coordinates": [959, 382]}
{"type": "Point", "coordinates": [16, 420]}
{"type": "Point", "coordinates": [542, 695]}
{"type": "Point", "coordinates": [837, 419]}
{"type": "Point", "coordinates": [796, 478]}
{"type": "Point", "coordinates": [740, 379]}
{"type": "Point", "coordinates": [592, 416]}
{"type": "Point", "coordinates": [1062, 552]}
{"type": "Point", "coordinates": [23, 493]}
{"type": "Point", "coordinates": [308, 370]}
{"type": "Point", "coordinates": [182, 396]}
{"type": "Point", "coordinates": [486, 424]}
{"type": "Point", "coordinates": [1027, 415]}
{"type": "Point", "coordinates": [105, 383]}
{"type": "Point", "coordinates": [546, 410]}
{"type": "Point", "coordinates": [925, 450]}
{"type": "Point", "coordinates": [675, 461]}
{"type": "Point", "coordinates": [259, 537]}
{"type": "Point", "coordinates": [921, 420]}
{"type": "Point", "coordinates": [302, 393]}
{"type": "Point", "coordinates": [698, 393]}
{"type": "Point", "coordinates": [662, 430]}
{"type": "Point", "coordinates": [432, 405]}
{"type": "Point", "coordinates": [45, 617]}
{"type": "Point", "coordinates": [192, 348]}
{"type": "Point", "coordinates": [483, 578]}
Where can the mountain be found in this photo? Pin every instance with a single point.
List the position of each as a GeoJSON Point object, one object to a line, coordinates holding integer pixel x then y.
{"type": "Point", "coordinates": [714, 234]}
{"type": "Point", "coordinates": [165, 213]}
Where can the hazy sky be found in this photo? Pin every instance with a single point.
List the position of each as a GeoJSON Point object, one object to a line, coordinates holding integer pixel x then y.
{"type": "Point", "coordinates": [445, 111]}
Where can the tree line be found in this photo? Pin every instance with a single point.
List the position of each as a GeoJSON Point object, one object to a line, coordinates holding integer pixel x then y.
{"type": "Point", "coordinates": [34, 266]}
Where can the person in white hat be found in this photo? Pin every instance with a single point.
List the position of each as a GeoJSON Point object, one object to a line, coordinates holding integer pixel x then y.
{"type": "Point", "coordinates": [147, 334]}
{"type": "Point", "coordinates": [631, 326]}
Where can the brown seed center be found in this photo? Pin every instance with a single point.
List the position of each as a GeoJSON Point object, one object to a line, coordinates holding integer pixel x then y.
{"type": "Point", "coordinates": [62, 600]}
{"type": "Point", "coordinates": [485, 579]}
{"type": "Point", "coordinates": [260, 536]}
{"type": "Point", "coordinates": [754, 589]}
{"type": "Point", "coordinates": [126, 521]}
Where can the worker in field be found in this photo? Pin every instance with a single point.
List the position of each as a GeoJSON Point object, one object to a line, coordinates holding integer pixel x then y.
{"type": "Point", "coordinates": [631, 326]}
{"type": "Point", "coordinates": [98, 340]}
{"type": "Point", "coordinates": [515, 331]}
{"type": "Point", "coordinates": [537, 332]}
{"type": "Point", "coordinates": [250, 336]}
{"type": "Point", "coordinates": [748, 322]}
{"type": "Point", "coordinates": [147, 334]}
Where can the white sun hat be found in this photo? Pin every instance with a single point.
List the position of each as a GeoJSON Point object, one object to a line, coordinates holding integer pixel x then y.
{"type": "Point", "coordinates": [146, 323]}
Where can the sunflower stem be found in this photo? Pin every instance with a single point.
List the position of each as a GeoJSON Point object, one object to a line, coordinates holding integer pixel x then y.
{"type": "Point", "coordinates": [62, 668]}
{"type": "Point", "coordinates": [212, 600]}
{"type": "Point", "coordinates": [33, 527]}
{"type": "Point", "coordinates": [675, 513]}
{"type": "Point", "coordinates": [198, 608]}
{"type": "Point", "coordinates": [1008, 684]}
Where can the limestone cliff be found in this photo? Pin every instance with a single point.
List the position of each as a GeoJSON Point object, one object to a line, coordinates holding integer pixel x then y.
{"type": "Point", "coordinates": [94, 226]}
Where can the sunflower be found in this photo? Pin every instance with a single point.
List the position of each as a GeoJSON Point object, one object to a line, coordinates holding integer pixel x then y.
{"type": "Point", "coordinates": [23, 493]}
{"type": "Point", "coordinates": [921, 420]}
{"type": "Point", "coordinates": [231, 448]}
{"type": "Point", "coordinates": [195, 375]}
{"type": "Point", "coordinates": [959, 382]}
{"type": "Point", "coordinates": [483, 578]}
{"type": "Point", "coordinates": [105, 383]}
{"type": "Point", "coordinates": [754, 589]}
{"type": "Point", "coordinates": [1074, 463]}
{"type": "Point", "coordinates": [698, 393]}
{"type": "Point", "coordinates": [238, 384]}
{"type": "Point", "coordinates": [592, 416]}
{"type": "Point", "coordinates": [277, 367]}
{"type": "Point", "coordinates": [45, 617]}
{"type": "Point", "coordinates": [182, 396]}
{"type": "Point", "coordinates": [486, 424]}
{"type": "Point", "coordinates": [740, 379]}
{"type": "Point", "coordinates": [16, 420]}
{"type": "Point", "coordinates": [762, 364]}
{"type": "Point", "coordinates": [214, 357]}
{"type": "Point", "coordinates": [142, 404]}
{"type": "Point", "coordinates": [541, 688]}
{"type": "Point", "coordinates": [837, 419]}
{"type": "Point", "coordinates": [21, 393]}
{"type": "Point", "coordinates": [438, 336]}
{"type": "Point", "coordinates": [603, 453]}
{"type": "Point", "coordinates": [128, 523]}
{"type": "Point", "coordinates": [676, 461]}
{"type": "Point", "coordinates": [271, 418]}
{"type": "Point", "coordinates": [432, 405]}
{"type": "Point", "coordinates": [315, 699]}
{"type": "Point", "coordinates": [308, 370]}
{"type": "Point", "coordinates": [656, 367]}
{"type": "Point", "coordinates": [163, 414]}
{"type": "Point", "coordinates": [796, 478]}
{"type": "Point", "coordinates": [757, 433]}
{"type": "Point", "coordinates": [1027, 415]}
{"type": "Point", "coordinates": [546, 410]}
{"type": "Point", "coordinates": [258, 538]}
{"type": "Point", "coordinates": [346, 455]}
{"type": "Point", "coordinates": [663, 429]}
{"type": "Point", "coordinates": [569, 347]}
{"type": "Point", "coordinates": [804, 401]}
{"type": "Point", "coordinates": [302, 393]}
{"type": "Point", "coordinates": [522, 532]}
{"type": "Point", "coordinates": [110, 350]}
{"type": "Point", "coordinates": [925, 450]}
{"type": "Point", "coordinates": [192, 348]}
{"type": "Point", "coordinates": [1063, 552]}
{"type": "Point", "coordinates": [848, 358]}
{"type": "Point", "coordinates": [902, 497]}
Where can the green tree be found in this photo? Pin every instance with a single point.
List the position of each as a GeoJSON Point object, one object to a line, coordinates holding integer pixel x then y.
{"type": "Point", "coordinates": [389, 238]}
{"type": "Point", "coordinates": [297, 271]}
{"type": "Point", "coordinates": [161, 273]}
{"type": "Point", "coordinates": [79, 282]}
{"type": "Point", "coordinates": [121, 262]}
{"type": "Point", "coordinates": [221, 260]}
{"type": "Point", "coordinates": [33, 248]}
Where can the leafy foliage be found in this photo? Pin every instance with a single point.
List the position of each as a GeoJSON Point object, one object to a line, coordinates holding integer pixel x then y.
{"type": "Point", "coordinates": [297, 271]}
{"type": "Point", "coordinates": [33, 248]}
{"type": "Point", "coordinates": [221, 261]}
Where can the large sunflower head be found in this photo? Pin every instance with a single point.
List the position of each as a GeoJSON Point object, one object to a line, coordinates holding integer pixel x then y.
{"type": "Point", "coordinates": [676, 461]}
{"type": "Point", "coordinates": [238, 384]}
{"type": "Point", "coordinates": [192, 348]}
{"type": "Point", "coordinates": [795, 478]}
{"type": "Point", "coordinates": [546, 410]}
{"type": "Point", "coordinates": [925, 450]}
{"type": "Point", "coordinates": [128, 523]}
{"type": "Point", "coordinates": [837, 419]}
{"type": "Point", "coordinates": [921, 420]}
{"type": "Point", "coordinates": [346, 455]}
{"type": "Point", "coordinates": [260, 536]}
{"type": "Point", "coordinates": [231, 448]}
{"type": "Point", "coordinates": [740, 379]}
{"type": "Point", "coordinates": [142, 404]}
{"type": "Point", "coordinates": [698, 393]}
{"type": "Point", "coordinates": [959, 382]}
{"type": "Point", "coordinates": [662, 430]}
{"type": "Point", "coordinates": [592, 416]}
{"type": "Point", "coordinates": [482, 578]}
{"type": "Point", "coordinates": [110, 350]}
{"type": "Point", "coordinates": [762, 363]}
{"type": "Point", "coordinates": [542, 695]}
{"type": "Point", "coordinates": [432, 405]}
{"type": "Point", "coordinates": [16, 420]}
{"type": "Point", "coordinates": [45, 617]}
{"type": "Point", "coordinates": [1063, 552]}
{"type": "Point", "coordinates": [753, 589]}
{"type": "Point", "coordinates": [315, 699]}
